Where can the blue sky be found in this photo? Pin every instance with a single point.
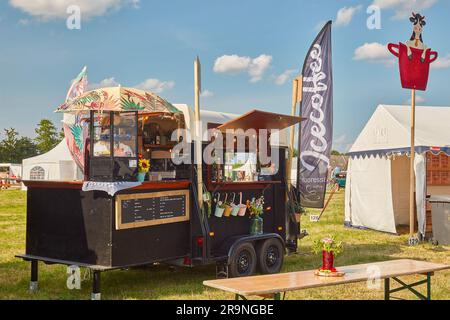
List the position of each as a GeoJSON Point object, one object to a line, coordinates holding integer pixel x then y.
{"type": "Point", "coordinates": [152, 44]}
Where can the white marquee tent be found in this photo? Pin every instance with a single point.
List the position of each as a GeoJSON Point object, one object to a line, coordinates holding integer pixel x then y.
{"type": "Point", "coordinates": [377, 190]}
{"type": "Point", "coordinates": [57, 164]}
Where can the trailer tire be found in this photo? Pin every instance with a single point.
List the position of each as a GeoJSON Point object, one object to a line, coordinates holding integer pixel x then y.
{"type": "Point", "coordinates": [243, 261]}
{"type": "Point", "coordinates": [270, 256]}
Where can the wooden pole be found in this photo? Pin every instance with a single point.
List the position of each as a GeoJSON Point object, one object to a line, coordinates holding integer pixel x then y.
{"type": "Point", "coordinates": [198, 135]}
{"type": "Point", "coordinates": [297, 85]}
{"type": "Point", "coordinates": [411, 169]}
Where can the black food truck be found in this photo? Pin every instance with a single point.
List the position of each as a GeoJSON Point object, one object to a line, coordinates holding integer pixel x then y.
{"type": "Point", "coordinates": [126, 213]}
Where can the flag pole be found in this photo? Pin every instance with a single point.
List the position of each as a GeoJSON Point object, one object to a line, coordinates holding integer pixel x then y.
{"type": "Point", "coordinates": [297, 85]}
{"type": "Point", "coordinates": [411, 167]}
{"type": "Point", "coordinates": [198, 135]}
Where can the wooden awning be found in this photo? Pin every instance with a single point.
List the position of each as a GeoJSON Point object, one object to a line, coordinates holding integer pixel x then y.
{"type": "Point", "coordinates": [257, 119]}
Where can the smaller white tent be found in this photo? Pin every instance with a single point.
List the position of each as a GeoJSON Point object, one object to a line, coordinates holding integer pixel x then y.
{"type": "Point", "coordinates": [57, 164]}
{"type": "Point", "coordinates": [377, 189]}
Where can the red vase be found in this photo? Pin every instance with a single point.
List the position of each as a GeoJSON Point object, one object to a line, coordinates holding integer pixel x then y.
{"type": "Point", "coordinates": [328, 261]}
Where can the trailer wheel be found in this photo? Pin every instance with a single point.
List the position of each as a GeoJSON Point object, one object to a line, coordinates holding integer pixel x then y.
{"type": "Point", "coordinates": [243, 261]}
{"type": "Point", "coordinates": [270, 256]}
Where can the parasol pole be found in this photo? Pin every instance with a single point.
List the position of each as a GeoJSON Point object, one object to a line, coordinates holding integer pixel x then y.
{"type": "Point", "coordinates": [198, 136]}
{"type": "Point", "coordinates": [411, 166]}
{"type": "Point", "coordinates": [297, 85]}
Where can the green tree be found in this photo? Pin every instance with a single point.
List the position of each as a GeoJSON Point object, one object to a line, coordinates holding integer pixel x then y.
{"type": "Point", "coordinates": [47, 136]}
{"type": "Point", "coordinates": [14, 149]}
{"type": "Point", "coordinates": [335, 153]}
{"type": "Point", "coordinates": [62, 136]}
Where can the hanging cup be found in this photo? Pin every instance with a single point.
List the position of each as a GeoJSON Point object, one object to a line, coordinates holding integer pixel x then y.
{"type": "Point", "coordinates": [219, 211]}
{"type": "Point", "coordinates": [228, 208]}
{"type": "Point", "coordinates": [242, 207]}
{"type": "Point", "coordinates": [235, 210]}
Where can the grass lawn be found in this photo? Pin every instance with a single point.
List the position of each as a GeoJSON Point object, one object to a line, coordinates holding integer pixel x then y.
{"type": "Point", "coordinates": [162, 282]}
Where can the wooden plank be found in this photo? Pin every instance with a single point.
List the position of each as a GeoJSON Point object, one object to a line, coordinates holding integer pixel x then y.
{"type": "Point", "coordinates": [270, 284]}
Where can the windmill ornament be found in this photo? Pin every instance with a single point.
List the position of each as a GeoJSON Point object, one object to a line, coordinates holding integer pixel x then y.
{"type": "Point", "coordinates": [414, 60]}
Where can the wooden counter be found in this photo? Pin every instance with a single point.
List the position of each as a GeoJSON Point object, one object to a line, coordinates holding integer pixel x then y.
{"type": "Point", "coordinates": [147, 185]}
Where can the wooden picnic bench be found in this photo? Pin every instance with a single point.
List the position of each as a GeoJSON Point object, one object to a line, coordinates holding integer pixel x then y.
{"type": "Point", "coordinates": [272, 286]}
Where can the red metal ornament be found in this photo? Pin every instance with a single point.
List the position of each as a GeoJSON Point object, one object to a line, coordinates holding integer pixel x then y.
{"type": "Point", "coordinates": [413, 72]}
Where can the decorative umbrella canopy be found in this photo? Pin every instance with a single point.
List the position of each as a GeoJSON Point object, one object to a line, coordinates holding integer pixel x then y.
{"type": "Point", "coordinates": [118, 99]}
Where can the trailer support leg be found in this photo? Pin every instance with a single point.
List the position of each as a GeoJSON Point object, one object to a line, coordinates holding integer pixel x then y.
{"type": "Point", "coordinates": [96, 294]}
{"type": "Point", "coordinates": [34, 276]}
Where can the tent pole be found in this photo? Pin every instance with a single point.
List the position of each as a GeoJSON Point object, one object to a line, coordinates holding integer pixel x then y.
{"type": "Point", "coordinates": [297, 85]}
{"type": "Point", "coordinates": [411, 169]}
{"type": "Point", "coordinates": [198, 144]}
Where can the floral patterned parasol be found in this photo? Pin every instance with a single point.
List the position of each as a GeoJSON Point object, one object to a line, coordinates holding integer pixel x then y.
{"type": "Point", "coordinates": [118, 99]}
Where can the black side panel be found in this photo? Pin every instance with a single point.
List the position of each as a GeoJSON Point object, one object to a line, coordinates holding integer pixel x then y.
{"type": "Point", "coordinates": [69, 224]}
{"type": "Point", "coordinates": [150, 244]}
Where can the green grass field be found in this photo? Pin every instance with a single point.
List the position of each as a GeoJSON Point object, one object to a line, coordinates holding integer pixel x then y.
{"type": "Point", "coordinates": [163, 282]}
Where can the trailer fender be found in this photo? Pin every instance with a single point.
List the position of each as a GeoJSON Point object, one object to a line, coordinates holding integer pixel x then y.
{"type": "Point", "coordinates": [230, 244]}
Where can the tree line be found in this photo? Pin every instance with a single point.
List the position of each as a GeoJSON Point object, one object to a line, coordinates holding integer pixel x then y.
{"type": "Point", "coordinates": [14, 148]}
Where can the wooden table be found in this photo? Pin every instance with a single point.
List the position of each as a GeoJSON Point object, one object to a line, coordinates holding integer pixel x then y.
{"type": "Point", "coordinates": [273, 285]}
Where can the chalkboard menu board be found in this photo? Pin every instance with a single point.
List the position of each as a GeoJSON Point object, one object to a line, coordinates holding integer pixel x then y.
{"type": "Point", "coordinates": [148, 209]}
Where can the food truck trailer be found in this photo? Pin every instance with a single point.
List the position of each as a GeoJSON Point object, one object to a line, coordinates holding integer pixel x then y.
{"type": "Point", "coordinates": [111, 220]}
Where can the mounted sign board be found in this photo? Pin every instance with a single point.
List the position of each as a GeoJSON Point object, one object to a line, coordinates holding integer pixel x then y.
{"type": "Point", "coordinates": [150, 209]}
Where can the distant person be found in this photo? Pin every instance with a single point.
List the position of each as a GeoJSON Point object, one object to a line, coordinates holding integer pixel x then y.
{"type": "Point", "coordinates": [336, 172]}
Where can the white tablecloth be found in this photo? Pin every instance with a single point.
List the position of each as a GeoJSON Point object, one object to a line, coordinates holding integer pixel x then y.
{"type": "Point", "coordinates": [110, 187]}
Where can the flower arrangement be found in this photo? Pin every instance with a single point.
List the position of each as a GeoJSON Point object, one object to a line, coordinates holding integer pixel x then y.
{"type": "Point", "coordinates": [297, 209]}
{"type": "Point", "coordinates": [330, 248]}
{"type": "Point", "coordinates": [144, 165]}
{"type": "Point", "coordinates": [328, 244]}
{"type": "Point", "coordinates": [256, 206]}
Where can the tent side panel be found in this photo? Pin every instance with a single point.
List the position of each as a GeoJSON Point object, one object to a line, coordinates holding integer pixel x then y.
{"type": "Point", "coordinates": [370, 195]}
{"type": "Point", "coordinates": [348, 193]}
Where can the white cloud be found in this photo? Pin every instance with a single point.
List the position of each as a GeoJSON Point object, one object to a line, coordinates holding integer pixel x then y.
{"type": "Point", "coordinates": [207, 94]}
{"type": "Point", "coordinates": [155, 85]}
{"type": "Point", "coordinates": [441, 63]}
{"type": "Point", "coordinates": [374, 52]}
{"type": "Point", "coordinates": [108, 82]}
{"type": "Point", "coordinates": [258, 66]}
{"type": "Point", "coordinates": [404, 8]}
{"type": "Point", "coordinates": [57, 9]}
{"type": "Point", "coordinates": [345, 15]}
{"type": "Point", "coordinates": [342, 143]}
{"type": "Point", "coordinates": [285, 76]}
{"type": "Point", "coordinates": [419, 99]}
{"type": "Point", "coordinates": [234, 64]}
{"type": "Point", "coordinates": [231, 64]}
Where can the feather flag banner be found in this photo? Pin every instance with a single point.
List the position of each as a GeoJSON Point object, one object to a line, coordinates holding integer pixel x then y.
{"type": "Point", "coordinates": [75, 128]}
{"type": "Point", "coordinates": [79, 85]}
{"type": "Point", "coordinates": [316, 134]}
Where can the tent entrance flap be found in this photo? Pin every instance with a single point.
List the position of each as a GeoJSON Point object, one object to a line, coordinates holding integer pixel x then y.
{"type": "Point", "coordinates": [377, 193]}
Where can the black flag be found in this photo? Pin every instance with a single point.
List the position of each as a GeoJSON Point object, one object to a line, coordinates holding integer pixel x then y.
{"type": "Point", "coordinates": [316, 133]}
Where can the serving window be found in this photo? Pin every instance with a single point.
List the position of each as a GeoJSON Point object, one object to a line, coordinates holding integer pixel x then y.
{"type": "Point", "coordinates": [101, 134]}
{"type": "Point", "coordinates": [114, 146]}
{"type": "Point", "coordinates": [125, 134]}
